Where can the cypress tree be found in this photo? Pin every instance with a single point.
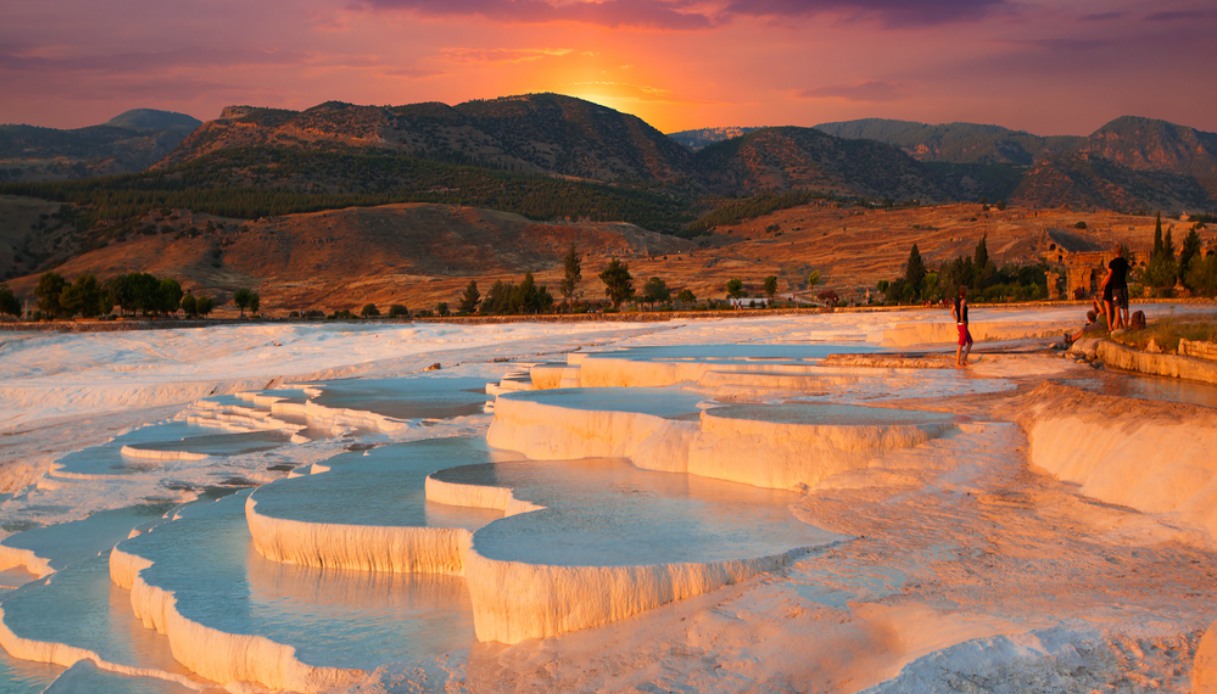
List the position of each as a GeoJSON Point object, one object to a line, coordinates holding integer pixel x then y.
{"type": "Point", "coordinates": [914, 273]}
{"type": "Point", "coordinates": [572, 273]}
{"type": "Point", "coordinates": [1157, 238]}
{"type": "Point", "coordinates": [1190, 250]}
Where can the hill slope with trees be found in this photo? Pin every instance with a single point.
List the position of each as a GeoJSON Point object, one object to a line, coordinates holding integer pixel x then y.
{"type": "Point", "coordinates": [127, 143]}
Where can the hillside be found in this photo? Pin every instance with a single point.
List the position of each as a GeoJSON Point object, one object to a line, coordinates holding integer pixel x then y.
{"type": "Point", "coordinates": [699, 139]}
{"type": "Point", "coordinates": [953, 143]}
{"type": "Point", "coordinates": [546, 134]}
{"type": "Point", "coordinates": [419, 255]}
{"type": "Point", "coordinates": [1129, 164]}
{"type": "Point", "coordinates": [416, 253]}
{"type": "Point", "coordinates": [789, 157]}
{"type": "Point", "coordinates": [127, 143]}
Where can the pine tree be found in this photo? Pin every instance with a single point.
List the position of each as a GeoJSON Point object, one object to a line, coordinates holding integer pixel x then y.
{"type": "Point", "coordinates": [572, 274]}
{"type": "Point", "coordinates": [771, 286]}
{"type": "Point", "coordinates": [471, 297]}
{"type": "Point", "coordinates": [735, 288]}
{"type": "Point", "coordinates": [499, 299]}
{"type": "Point", "coordinates": [656, 291]}
{"type": "Point", "coordinates": [49, 293]}
{"type": "Point", "coordinates": [242, 299]}
{"type": "Point", "coordinates": [9, 303]}
{"type": "Point", "coordinates": [618, 282]}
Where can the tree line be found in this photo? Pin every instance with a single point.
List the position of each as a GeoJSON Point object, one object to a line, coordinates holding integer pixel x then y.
{"type": "Point", "coordinates": [527, 297]}
{"type": "Point", "coordinates": [133, 293]}
{"type": "Point", "coordinates": [978, 272]}
{"type": "Point", "coordinates": [1165, 272]}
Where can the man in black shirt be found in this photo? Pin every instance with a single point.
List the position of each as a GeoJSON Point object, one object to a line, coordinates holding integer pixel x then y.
{"type": "Point", "coordinates": [1115, 291]}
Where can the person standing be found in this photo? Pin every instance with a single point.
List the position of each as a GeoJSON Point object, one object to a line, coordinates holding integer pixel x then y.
{"type": "Point", "coordinates": [959, 311]}
{"type": "Point", "coordinates": [1115, 291]}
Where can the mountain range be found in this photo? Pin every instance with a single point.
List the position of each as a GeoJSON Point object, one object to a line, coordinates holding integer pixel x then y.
{"type": "Point", "coordinates": [1129, 164]}
{"type": "Point", "coordinates": [542, 158]}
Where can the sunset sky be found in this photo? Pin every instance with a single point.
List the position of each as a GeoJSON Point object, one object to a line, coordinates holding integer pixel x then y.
{"type": "Point", "coordinates": [1052, 67]}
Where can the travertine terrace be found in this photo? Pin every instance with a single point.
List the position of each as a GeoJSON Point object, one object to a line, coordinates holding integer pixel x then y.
{"type": "Point", "coordinates": [811, 504]}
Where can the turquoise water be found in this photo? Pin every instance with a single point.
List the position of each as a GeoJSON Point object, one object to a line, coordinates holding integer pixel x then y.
{"type": "Point", "coordinates": [334, 618]}
{"type": "Point", "coordinates": [436, 397]}
{"type": "Point", "coordinates": [66, 543]}
{"type": "Point", "coordinates": [661, 402]}
{"type": "Point", "coordinates": [221, 445]}
{"type": "Point", "coordinates": [1154, 388]}
{"type": "Point", "coordinates": [382, 486]}
{"type": "Point", "coordinates": [25, 677]}
{"type": "Point", "coordinates": [829, 414]}
{"type": "Point", "coordinates": [606, 512]}
{"type": "Point", "coordinates": [80, 606]}
{"type": "Point", "coordinates": [732, 353]}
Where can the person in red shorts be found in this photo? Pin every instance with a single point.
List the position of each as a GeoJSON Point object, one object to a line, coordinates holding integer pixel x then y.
{"type": "Point", "coordinates": [959, 311]}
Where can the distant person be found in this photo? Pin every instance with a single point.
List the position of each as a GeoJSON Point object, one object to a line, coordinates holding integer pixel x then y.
{"type": "Point", "coordinates": [1096, 303]}
{"type": "Point", "coordinates": [1115, 291]}
{"type": "Point", "coordinates": [1092, 325]}
{"type": "Point", "coordinates": [959, 311]}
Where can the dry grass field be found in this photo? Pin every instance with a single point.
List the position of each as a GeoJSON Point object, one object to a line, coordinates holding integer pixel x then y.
{"type": "Point", "coordinates": [419, 254]}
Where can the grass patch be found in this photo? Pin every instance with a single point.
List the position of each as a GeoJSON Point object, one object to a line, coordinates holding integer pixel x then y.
{"type": "Point", "coordinates": [1167, 333]}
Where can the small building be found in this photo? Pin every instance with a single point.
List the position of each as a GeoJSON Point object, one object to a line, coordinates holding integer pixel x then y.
{"type": "Point", "coordinates": [1084, 261]}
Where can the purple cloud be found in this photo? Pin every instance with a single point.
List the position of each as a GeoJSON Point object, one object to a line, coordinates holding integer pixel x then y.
{"type": "Point", "coordinates": [1180, 16]}
{"type": "Point", "coordinates": [1103, 16]}
{"type": "Point", "coordinates": [136, 62]}
{"type": "Point", "coordinates": [893, 13]}
{"type": "Point", "coordinates": [872, 91]}
{"type": "Point", "coordinates": [661, 14]}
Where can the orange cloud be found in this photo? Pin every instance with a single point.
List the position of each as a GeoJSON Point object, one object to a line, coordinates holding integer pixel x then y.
{"type": "Point", "coordinates": [503, 55]}
{"type": "Point", "coordinates": [864, 91]}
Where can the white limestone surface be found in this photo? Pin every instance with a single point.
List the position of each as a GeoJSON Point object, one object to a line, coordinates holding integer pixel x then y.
{"type": "Point", "coordinates": [973, 534]}
{"type": "Point", "coordinates": [599, 540]}
{"type": "Point", "coordinates": [370, 512]}
{"type": "Point", "coordinates": [652, 427]}
{"type": "Point", "coordinates": [1106, 445]}
{"type": "Point", "coordinates": [789, 446]}
{"type": "Point", "coordinates": [795, 446]}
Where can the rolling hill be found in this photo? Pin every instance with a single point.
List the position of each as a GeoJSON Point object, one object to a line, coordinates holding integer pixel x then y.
{"type": "Point", "coordinates": [127, 143]}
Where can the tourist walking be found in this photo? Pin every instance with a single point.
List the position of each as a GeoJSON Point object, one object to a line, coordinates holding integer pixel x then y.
{"type": "Point", "coordinates": [959, 311]}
